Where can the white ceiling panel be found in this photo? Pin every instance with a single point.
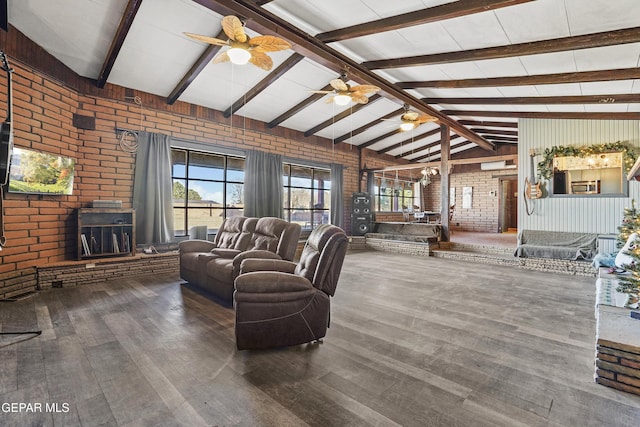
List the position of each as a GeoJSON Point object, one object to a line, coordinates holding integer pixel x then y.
{"type": "Point", "coordinates": [610, 57]}
{"type": "Point", "coordinates": [606, 108]}
{"type": "Point", "coordinates": [603, 88]}
{"type": "Point", "coordinates": [465, 30]}
{"type": "Point", "coordinates": [549, 63]}
{"type": "Point", "coordinates": [595, 16]}
{"type": "Point", "coordinates": [77, 33]}
{"type": "Point", "coordinates": [143, 59]}
{"type": "Point", "coordinates": [536, 20]}
{"type": "Point", "coordinates": [559, 89]}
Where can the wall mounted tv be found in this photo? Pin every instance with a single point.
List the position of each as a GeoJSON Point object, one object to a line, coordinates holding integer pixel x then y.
{"type": "Point", "coordinates": [36, 172]}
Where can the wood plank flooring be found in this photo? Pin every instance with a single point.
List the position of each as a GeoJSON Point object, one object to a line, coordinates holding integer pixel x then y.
{"type": "Point", "coordinates": [413, 342]}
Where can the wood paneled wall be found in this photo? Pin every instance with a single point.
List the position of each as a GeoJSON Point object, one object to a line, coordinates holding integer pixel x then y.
{"type": "Point", "coordinates": [578, 214]}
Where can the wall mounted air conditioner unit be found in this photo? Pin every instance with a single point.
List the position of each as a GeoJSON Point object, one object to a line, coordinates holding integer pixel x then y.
{"type": "Point", "coordinates": [491, 166]}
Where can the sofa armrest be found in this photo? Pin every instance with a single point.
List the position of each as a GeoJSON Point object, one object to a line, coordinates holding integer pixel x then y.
{"type": "Point", "coordinates": [226, 252]}
{"type": "Point", "coordinates": [257, 264]}
{"type": "Point", "coordinates": [196, 246]}
{"type": "Point", "coordinates": [253, 254]}
{"type": "Point", "coordinates": [271, 286]}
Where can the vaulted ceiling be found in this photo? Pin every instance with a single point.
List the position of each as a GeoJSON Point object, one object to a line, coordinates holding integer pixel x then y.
{"type": "Point", "coordinates": [476, 65]}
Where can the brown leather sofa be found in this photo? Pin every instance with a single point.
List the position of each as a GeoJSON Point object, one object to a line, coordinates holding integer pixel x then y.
{"type": "Point", "coordinates": [213, 266]}
{"type": "Point", "coordinates": [281, 303]}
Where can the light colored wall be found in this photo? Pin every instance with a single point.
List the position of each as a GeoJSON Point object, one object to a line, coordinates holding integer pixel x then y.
{"type": "Point", "coordinates": [578, 214]}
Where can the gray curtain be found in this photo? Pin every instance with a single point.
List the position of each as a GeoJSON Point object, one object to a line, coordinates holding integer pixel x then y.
{"type": "Point", "coordinates": [337, 195]}
{"type": "Point", "coordinates": [263, 184]}
{"type": "Point", "coordinates": [153, 190]}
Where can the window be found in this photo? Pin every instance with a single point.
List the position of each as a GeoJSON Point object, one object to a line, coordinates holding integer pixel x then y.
{"type": "Point", "coordinates": [307, 195]}
{"type": "Point", "coordinates": [392, 195]}
{"type": "Point", "coordinates": [207, 188]}
{"type": "Point", "coordinates": [601, 173]}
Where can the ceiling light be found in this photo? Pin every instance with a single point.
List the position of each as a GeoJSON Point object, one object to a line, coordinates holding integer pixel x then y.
{"type": "Point", "coordinates": [238, 55]}
{"type": "Point", "coordinates": [406, 126]}
{"type": "Point", "coordinates": [342, 99]}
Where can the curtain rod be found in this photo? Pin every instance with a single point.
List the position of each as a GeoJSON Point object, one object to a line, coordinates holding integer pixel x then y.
{"type": "Point", "coordinates": [125, 130]}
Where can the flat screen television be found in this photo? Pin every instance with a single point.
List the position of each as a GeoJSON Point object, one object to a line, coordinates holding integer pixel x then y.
{"type": "Point", "coordinates": [36, 172]}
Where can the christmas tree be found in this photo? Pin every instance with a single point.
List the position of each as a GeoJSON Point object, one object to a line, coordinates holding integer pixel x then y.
{"type": "Point", "coordinates": [630, 224]}
{"type": "Point", "coordinates": [630, 283]}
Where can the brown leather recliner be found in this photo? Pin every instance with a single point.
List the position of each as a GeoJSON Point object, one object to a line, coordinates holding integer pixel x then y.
{"type": "Point", "coordinates": [194, 254]}
{"type": "Point", "coordinates": [280, 303]}
{"type": "Point", "coordinates": [271, 238]}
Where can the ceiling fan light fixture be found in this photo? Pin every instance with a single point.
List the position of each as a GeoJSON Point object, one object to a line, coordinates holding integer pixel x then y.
{"type": "Point", "coordinates": [238, 55]}
{"type": "Point", "coordinates": [342, 99]}
{"type": "Point", "coordinates": [406, 126]}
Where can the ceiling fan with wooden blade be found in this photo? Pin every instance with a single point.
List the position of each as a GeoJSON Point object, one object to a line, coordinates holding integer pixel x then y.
{"type": "Point", "coordinates": [242, 48]}
{"type": "Point", "coordinates": [343, 93]}
{"type": "Point", "coordinates": [412, 119]}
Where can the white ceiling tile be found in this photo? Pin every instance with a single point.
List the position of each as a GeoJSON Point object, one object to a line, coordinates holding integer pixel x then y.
{"type": "Point", "coordinates": [559, 89]}
{"type": "Point", "coordinates": [465, 30]}
{"type": "Point", "coordinates": [595, 16]}
{"type": "Point", "coordinates": [610, 57]}
{"type": "Point", "coordinates": [566, 108]}
{"type": "Point", "coordinates": [501, 67]}
{"type": "Point", "coordinates": [606, 108]}
{"type": "Point", "coordinates": [549, 63]}
{"type": "Point", "coordinates": [516, 91]}
{"type": "Point", "coordinates": [603, 88]}
{"type": "Point", "coordinates": [536, 20]}
{"type": "Point", "coordinates": [78, 34]}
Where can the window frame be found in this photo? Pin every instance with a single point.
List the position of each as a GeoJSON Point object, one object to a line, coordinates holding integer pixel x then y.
{"type": "Point", "coordinates": [395, 200]}
{"type": "Point", "coordinates": [182, 230]}
{"type": "Point", "coordinates": [313, 210]}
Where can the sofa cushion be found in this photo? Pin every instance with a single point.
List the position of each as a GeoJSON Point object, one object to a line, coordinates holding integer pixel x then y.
{"type": "Point", "coordinates": [221, 270]}
{"type": "Point", "coordinates": [230, 233]}
{"type": "Point", "coordinates": [267, 234]}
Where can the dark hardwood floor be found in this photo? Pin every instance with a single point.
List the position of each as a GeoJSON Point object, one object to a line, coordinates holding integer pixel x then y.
{"type": "Point", "coordinates": [413, 341]}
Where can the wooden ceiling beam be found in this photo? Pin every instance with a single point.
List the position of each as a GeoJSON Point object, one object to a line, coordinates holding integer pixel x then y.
{"type": "Point", "coordinates": [495, 132]}
{"type": "Point", "coordinates": [502, 138]}
{"type": "Point", "coordinates": [410, 141]}
{"type": "Point", "coordinates": [274, 75]}
{"type": "Point", "coordinates": [379, 138]}
{"type": "Point", "coordinates": [346, 113]}
{"type": "Point", "coordinates": [298, 107]}
{"type": "Point", "coordinates": [585, 41]}
{"type": "Point", "coordinates": [437, 152]}
{"type": "Point", "coordinates": [426, 147]}
{"type": "Point", "coordinates": [207, 56]}
{"type": "Point", "coordinates": [542, 79]}
{"type": "Point", "coordinates": [534, 100]}
{"type": "Point", "coordinates": [118, 40]}
{"type": "Point", "coordinates": [418, 17]}
{"type": "Point", "coordinates": [264, 22]}
{"type": "Point", "coordinates": [546, 114]}
{"type": "Point", "coordinates": [364, 127]}
{"type": "Point", "coordinates": [489, 123]}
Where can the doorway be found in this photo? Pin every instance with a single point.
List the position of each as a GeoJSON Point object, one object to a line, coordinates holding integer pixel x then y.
{"type": "Point", "coordinates": [508, 202]}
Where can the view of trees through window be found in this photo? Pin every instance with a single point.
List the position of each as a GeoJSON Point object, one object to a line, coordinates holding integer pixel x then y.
{"type": "Point", "coordinates": [307, 195]}
{"type": "Point", "coordinates": [393, 195]}
{"type": "Point", "coordinates": [209, 187]}
{"type": "Point", "coordinates": [206, 189]}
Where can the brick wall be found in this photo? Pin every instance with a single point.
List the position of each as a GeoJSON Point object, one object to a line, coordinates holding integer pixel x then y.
{"type": "Point", "coordinates": [618, 366]}
{"type": "Point", "coordinates": [484, 212]}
